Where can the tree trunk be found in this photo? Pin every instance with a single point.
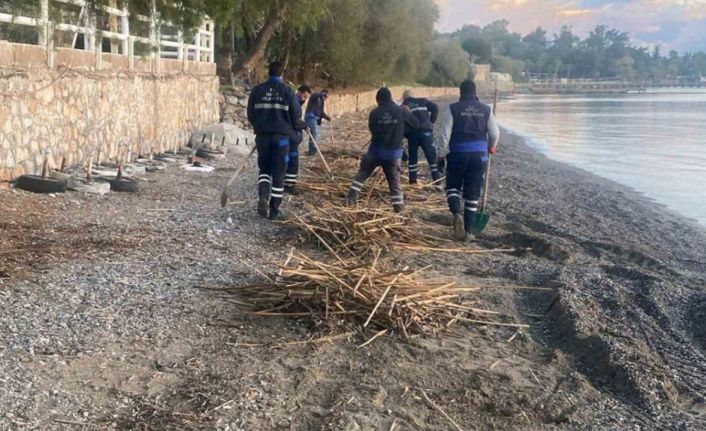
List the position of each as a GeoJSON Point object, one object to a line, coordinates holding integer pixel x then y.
{"type": "Point", "coordinates": [256, 53]}
{"type": "Point", "coordinates": [224, 53]}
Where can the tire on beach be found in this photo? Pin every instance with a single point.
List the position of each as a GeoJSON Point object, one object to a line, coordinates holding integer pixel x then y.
{"type": "Point", "coordinates": [209, 153]}
{"type": "Point", "coordinates": [125, 185]}
{"type": "Point", "coordinates": [96, 186]}
{"type": "Point", "coordinates": [39, 184]}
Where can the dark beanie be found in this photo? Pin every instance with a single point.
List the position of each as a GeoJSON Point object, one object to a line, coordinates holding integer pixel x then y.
{"type": "Point", "coordinates": [384, 95]}
{"type": "Point", "coordinates": [468, 87]}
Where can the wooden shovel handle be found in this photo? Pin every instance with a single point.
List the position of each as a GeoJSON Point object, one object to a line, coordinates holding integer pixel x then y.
{"type": "Point", "coordinates": [226, 189]}
{"type": "Point", "coordinates": [486, 185]}
{"type": "Point", "coordinates": [318, 151]}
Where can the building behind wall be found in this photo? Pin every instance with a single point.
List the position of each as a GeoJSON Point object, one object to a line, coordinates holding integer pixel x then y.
{"type": "Point", "coordinates": [481, 72]}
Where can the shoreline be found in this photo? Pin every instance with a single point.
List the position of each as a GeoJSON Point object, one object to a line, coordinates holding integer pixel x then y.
{"type": "Point", "coordinates": [644, 198]}
{"type": "Point", "coordinates": [669, 176]}
{"type": "Point", "coordinates": [630, 276]}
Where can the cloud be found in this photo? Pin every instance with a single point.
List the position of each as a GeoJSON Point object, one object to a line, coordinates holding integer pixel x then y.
{"type": "Point", "coordinates": [650, 21]}
{"type": "Point", "coordinates": [575, 12]}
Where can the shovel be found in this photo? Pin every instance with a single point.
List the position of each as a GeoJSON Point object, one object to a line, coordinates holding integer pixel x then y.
{"type": "Point", "coordinates": [482, 218]}
{"type": "Point", "coordinates": [226, 190]}
{"type": "Point", "coordinates": [321, 155]}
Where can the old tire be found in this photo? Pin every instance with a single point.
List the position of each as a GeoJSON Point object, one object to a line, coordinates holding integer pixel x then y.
{"type": "Point", "coordinates": [38, 184]}
{"type": "Point", "coordinates": [209, 153]}
{"type": "Point", "coordinates": [125, 185]}
{"type": "Point", "coordinates": [95, 186]}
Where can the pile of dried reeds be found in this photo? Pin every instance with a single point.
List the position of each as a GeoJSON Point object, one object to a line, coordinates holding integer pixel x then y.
{"type": "Point", "coordinates": [358, 283]}
{"type": "Point", "coordinates": [362, 232]}
{"type": "Point", "coordinates": [370, 294]}
{"type": "Point", "coordinates": [425, 196]}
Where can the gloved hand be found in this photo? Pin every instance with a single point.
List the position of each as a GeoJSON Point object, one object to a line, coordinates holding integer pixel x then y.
{"type": "Point", "coordinates": [319, 121]}
{"type": "Point", "coordinates": [405, 107]}
{"type": "Point", "coordinates": [492, 150]}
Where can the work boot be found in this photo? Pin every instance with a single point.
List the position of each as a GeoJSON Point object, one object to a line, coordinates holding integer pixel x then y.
{"type": "Point", "coordinates": [459, 229]}
{"type": "Point", "coordinates": [398, 208]}
{"type": "Point", "coordinates": [468, 237]}
{"type": "Point", "coordinates": [292, 190]}
{"type": "Point", "coordinates": [277, 215]}
{"type": "Point", "coordinates": [351, 202]}
{"type": "Point", "coordinates": [262, 205]}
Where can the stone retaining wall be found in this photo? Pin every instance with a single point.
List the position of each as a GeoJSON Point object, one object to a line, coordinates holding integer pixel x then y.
{"type": "Point", "coordinates": [76, 111]}
{"type": "Point", "coordinates": [234, 101]}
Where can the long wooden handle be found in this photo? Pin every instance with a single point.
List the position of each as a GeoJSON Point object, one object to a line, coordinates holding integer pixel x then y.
{"type": "Point", "coordinates": [224, 193]}
{"type": "Point", "coordinates": [318, 151]}
{"type": "Point", "coordinates": [333, 140]}
{"type": "Point", "coordinates": [486, 186]}
{"type": "Point", "coordinates": [495, 99]}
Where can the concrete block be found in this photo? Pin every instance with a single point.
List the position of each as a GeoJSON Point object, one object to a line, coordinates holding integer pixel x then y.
{"type": "Point", "coordinates": [7, 54]}
{"type": "Point", "coordinates": [171, 66]}
{"type": "Point", "coordinates": [74, 58]}
{"type": "Point", "coordinates": [144, 64]}
{"type": "Point", "coordinates": [29, 56]}
{"type": "Point", "coordinates": [115, 62]}
{"type": "Point", "coordinates": [201, 68]}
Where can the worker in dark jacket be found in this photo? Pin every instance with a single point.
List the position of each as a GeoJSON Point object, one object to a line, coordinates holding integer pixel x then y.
{"type": "Point", "coordinates": [315, 113]}
{"type": "Point", "coordinates": [426, 113]}
{"type": "Point", "coordinates": [471, 132]}
{"type": "Point", "coordinates": [291, 178]}
{"type": "Point", "coordinates": [387, 125]}
{"type": "Point", "coordinates": [273, 111]}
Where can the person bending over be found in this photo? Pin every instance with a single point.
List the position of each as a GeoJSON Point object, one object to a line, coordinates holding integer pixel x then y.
{"type": "Point", "coordinates": [315, 113]}
{"type": "Point", "coordinates": [426, 113]}
{"type": "Point", "coordinates": [387, 126]}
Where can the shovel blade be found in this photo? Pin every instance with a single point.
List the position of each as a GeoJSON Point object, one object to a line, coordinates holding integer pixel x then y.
{"type": "Point", "coordinates": [480, 222]}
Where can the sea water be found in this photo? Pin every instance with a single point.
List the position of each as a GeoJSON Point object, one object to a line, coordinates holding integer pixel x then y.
{"type": "Point", "coordinates": [654, 142]}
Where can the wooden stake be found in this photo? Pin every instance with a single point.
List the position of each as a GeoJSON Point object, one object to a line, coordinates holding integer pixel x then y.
{"type": "Point", "coordinates": [376, 336]}
{"type": "Point", "coordinates": [439, 409]}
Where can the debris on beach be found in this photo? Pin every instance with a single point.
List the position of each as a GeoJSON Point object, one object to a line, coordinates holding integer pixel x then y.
{"type": "Point", "coordinates": [355, 280]}
{"type": "Point", "coordinates": [404, 300]}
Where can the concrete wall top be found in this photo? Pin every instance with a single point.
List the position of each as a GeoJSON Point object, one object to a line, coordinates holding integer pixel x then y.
{"type": "Point", "coordinates": [23, 56]}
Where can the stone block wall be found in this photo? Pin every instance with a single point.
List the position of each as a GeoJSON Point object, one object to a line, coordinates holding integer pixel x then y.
{"type": "Point", "coordinates": [234, 100]}
{"type": "Point", "coordinates": [76, 112]}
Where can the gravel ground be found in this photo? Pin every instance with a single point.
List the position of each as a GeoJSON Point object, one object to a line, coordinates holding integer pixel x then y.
{"type": "Point", "coordinates": [105, 322]}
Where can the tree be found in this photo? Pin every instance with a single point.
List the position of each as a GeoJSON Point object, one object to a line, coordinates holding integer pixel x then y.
{"type": "Point", "coordinates": [479, 49]}
{"type": "Point", "coordinates": [538, 38]}
{"type": "Point", "coordinates": [450, 63]}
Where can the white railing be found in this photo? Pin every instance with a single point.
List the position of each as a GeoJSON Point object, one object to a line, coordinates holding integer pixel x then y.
{"type": "Point", "coordinates": [199, 49]}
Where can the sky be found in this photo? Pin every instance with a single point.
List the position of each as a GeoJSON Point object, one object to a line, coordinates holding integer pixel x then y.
{"type": "Point", "coordinates": [671, 24]}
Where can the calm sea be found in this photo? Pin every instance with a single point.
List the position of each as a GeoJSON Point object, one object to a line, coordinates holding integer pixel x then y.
{"type": "Point", "coordinates": [654, 142]}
